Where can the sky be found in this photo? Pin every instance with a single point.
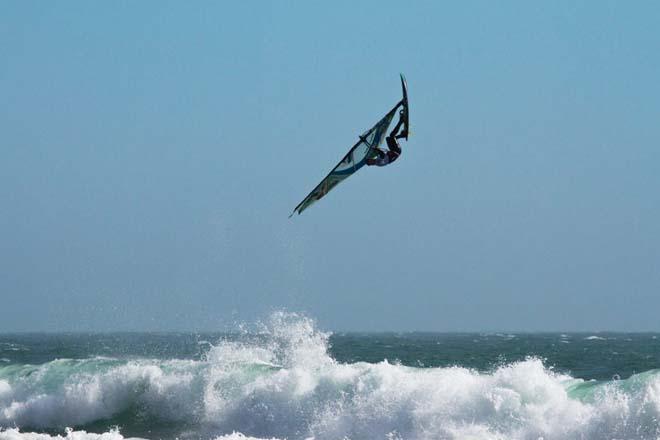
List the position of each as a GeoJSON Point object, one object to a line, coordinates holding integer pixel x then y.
{"type": "Point", "coordinates": [152, 151]}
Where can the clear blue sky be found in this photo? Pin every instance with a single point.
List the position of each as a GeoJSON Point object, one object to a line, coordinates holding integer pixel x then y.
{"type": "Point", "coordinates": [152, 151]}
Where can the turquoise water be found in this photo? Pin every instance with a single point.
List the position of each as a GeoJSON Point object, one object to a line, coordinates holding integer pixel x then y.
{"type": "Point", "coordinates": [598, 356]}
{"type": "Point", "coordinates": [289, 379]}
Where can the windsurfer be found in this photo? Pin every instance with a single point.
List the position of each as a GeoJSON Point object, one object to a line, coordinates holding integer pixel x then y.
{"type": "Point", "coordinates": [387, 157]}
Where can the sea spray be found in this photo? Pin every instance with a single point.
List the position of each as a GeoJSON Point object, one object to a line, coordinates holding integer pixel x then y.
{"type": "Point", "coordinates": [279, 381]}
{"type": "Point", "coordinates": [70, 434]}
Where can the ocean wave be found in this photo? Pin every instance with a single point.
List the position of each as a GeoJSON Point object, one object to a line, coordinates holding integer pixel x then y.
{"type": "Point", "coordinates": [113, 434]}
{"type": "Point", "coordinates": [282, 383]}
{"type": "Point", "coordinates": [69, 434]}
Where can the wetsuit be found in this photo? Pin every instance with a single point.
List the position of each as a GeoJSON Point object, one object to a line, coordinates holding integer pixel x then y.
{"type": "Point", "coordinates": [387, 157]}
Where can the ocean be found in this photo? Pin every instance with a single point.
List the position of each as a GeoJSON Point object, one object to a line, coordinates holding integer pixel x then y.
{"type": "Point", "coordinates": [285, 378]}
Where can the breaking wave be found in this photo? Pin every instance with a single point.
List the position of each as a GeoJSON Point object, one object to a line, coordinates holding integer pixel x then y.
{"type": "Point", "coordinates": [280, 382]}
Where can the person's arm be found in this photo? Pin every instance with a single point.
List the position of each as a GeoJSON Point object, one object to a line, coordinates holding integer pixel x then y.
{"type": "Point", "coordinates": [374, 161]}
{"type": "Point", "coordinates": [398, 125]}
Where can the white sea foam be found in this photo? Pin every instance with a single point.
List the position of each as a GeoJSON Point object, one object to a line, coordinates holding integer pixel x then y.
{"type": "Point", "coordinates": [69, 434]}
{"type": "Point", "coordinates": [284, 384]}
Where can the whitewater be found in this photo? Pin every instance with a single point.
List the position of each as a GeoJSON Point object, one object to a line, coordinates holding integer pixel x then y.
{"type": "Point", "coordinates": [281, 382]}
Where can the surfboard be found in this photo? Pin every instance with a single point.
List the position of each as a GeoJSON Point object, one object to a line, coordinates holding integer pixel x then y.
{"type": "Point", "coordinates": [404, 89]}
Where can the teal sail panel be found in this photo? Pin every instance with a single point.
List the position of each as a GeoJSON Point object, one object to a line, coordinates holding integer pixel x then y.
{"type": "Point", "coordinates": [353, 160]}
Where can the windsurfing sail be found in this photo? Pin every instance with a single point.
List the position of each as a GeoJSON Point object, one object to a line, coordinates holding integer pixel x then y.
{"type": "Point", "coordinates": [357, 156]}
{"type": "Point", "coordinates": [353, 160]}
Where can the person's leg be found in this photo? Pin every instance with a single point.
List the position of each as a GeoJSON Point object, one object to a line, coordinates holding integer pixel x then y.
{"type": "Point", "coordinates": [393, 144]}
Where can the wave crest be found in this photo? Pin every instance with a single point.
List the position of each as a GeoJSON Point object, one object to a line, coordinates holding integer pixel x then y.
{"type": "Point", "coordinates": [281, 382]}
